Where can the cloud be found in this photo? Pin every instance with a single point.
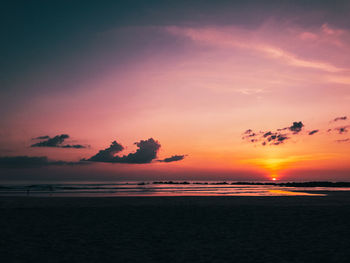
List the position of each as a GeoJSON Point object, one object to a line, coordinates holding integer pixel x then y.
{"type": "Point", "coordinates": [283, 134]}
{"type": "Point", "coordinates": [42, 137]}
{"type": "Point", "coordinates": [296, 127]}
{"type": "Point", "coordinates": [249, 131]}
{"type": "Point", "coordinates": [76, 146]}
{"type": "Point", "coordinates": [146, 153]}
{"type": "Point", "coordinates": [51, 142]}
{"type": "Point", "coordinates": [344, 118]}
{"type": "Point", "coordinates": [313, 132]}
{"type": "Point", "coordinates": [276, 138]}
{"type": "Point", "coordinates": [107, 155]}
{"type": "Point", "coordinates": [30, 162]}
{"type": "Point", "coordinates": [280, 139]}
{"type": "Point", "coordinates": [237, 38]}
{"type": "Point", "coordinates": [273, 137]}
{"type": "Point", "coordinates": [268, 138]}
{"type": "Point", "coordinates": [55, 142]}
{"type": "Point", "coordinates": [267, 134]}
{"type": "Point", "coordinates": [173, 158]}
{"type": "Point", "coordinates": [249, 134]}
{"type": "Point", "coordinates": [342, 130]}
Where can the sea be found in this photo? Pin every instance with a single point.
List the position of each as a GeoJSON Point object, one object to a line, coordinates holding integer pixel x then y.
{"type": "Point", "coordinates": [172, 188]}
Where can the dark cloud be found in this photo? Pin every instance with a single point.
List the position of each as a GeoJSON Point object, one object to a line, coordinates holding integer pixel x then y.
{"type": "Point", "coordinates": [267, 134]}
{"type": "Point", "coordinates": [313, 132]}
{"type": "Point", "coordinates": [344, 118]}
{"type": "Point", "coordinates": [248, 134]}
{"type": "Point", "coordinates": [107, 155]}
{"type": "Point", "coordinates": [146, 153]}
{"type": "Point", "coordinates": [51, 142]}
{"type": "Point", "coordinates": [22, 161]}
{"type": "Point", "coordinates": [281, 138]}
{"type": "Point", "coordinates": [56, 141]}
{"type": "Point", "coordinates": [274, 137]}
{"type": "Point", "coordinates": [30, 162]}
{"type": "Point", "coordinates": [173, 158]}
{"type": "Point", "coordinates": [281, 135]}
{"type": "Point", "coordinates": [76, 146]}
{"type": "Point", "coordinates": [269, 138]}
{"type": "Point", "coordinates": [277, 139]}
{"type": "Point", "coordinates": [42, 137]}
{"type": "Point", "coordinates": [342, 130]}
{"type": "Point", "coordinates": [249, 131]}
{"type": "Point", "coordinates": [296, 127]}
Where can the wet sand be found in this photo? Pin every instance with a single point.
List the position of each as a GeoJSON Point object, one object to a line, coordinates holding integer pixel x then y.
{"type": "Point", "coordinates": [176, 229]}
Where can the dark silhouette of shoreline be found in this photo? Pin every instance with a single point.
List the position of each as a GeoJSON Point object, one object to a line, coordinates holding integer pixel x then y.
{"type": "Point", "coordinates": [287, 184]}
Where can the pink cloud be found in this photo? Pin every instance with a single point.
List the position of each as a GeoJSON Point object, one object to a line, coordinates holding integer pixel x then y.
{"type": "Point", "coordinates": [308, 36]}
{"type": "Point", "coordinates": [270, 42]}
{"type": "Point", "coordinates": [331, 31]}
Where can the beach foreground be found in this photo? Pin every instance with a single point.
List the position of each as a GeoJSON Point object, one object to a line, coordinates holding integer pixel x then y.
{"type": "Point", "coordinates": [176, 229]}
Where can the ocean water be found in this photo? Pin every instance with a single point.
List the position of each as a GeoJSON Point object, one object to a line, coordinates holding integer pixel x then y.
{"type": "Point", "coordinates": [159, 189]}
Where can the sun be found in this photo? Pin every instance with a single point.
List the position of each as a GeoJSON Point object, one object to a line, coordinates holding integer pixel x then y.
{"type": "Point", "coordinates": [274, 177]}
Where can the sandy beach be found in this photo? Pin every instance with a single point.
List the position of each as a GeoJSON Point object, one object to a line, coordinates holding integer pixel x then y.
{"type": "Point", "coordinates": [176, 229]}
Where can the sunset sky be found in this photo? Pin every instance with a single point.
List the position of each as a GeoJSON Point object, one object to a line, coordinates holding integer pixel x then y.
{"type": "Point", "coordinates": [209, 90]}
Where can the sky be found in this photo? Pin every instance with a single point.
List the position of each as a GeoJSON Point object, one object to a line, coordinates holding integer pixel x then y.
{"type": "Point", "coordinates": [175, 90]}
